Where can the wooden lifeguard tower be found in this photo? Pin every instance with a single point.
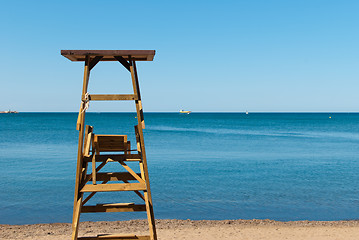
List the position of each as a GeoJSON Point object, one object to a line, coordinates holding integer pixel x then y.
{"type": "Point", "coordinates": [94, 149]}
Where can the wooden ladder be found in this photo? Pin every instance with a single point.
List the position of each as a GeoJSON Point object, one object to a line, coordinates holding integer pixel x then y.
{"type": "Point", "coordinates": [91, 146]}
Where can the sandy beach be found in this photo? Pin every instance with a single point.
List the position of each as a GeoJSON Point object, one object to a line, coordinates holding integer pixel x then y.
{"type": "Point", "coordinates": [193, 230]}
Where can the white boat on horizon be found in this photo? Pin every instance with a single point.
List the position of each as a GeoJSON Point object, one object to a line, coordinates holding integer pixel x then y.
{"type": "Point", "coordinates": [183, 111]}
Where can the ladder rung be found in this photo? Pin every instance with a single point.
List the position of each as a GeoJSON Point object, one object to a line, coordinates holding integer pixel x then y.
{"type": "Point", "coordinates": [114, 157]}
{"type": "Point", "coordinates": [116, 176]}
{"type": "Point", "coordinates": [112, 97]}
{"type": "Point", "coordinates": [114, 207]}
{"type": "Point", "coordinates": [114, 187]}
{"type": "Point", "coordinates": [116, 237]}
{"type": "Point", "coordinates": [115, 204]}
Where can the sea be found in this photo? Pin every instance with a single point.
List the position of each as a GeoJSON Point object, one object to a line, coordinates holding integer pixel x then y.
{"type": "Point", "coordinates": [214, 166]}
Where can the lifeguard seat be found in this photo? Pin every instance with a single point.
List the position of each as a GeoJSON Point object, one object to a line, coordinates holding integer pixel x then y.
{"type": "Point", "coordinates": [111, 143]}
{"type": "Point", "coordinates": [118, 147]}
{"type": "Point", "coordinates": [107, 143]}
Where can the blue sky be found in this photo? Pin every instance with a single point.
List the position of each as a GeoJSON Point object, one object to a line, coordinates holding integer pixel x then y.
{"type": "Point", "coordinates": [221, 56]}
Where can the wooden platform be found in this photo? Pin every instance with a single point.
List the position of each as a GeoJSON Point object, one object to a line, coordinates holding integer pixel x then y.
{"type": "Point", "coordinates": [116, 237]}
{"type": "Point", "coordinates": [115, 207]}
{"type": "Point", "coordinates": [109, 55]}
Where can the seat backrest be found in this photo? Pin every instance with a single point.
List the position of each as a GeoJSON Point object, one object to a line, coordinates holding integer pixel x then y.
{"type": "Point", "coordinates": [110, 143]}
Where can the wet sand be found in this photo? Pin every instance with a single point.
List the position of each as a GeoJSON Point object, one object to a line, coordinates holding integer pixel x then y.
{"type": "Point", "coordinates": [193, 230]}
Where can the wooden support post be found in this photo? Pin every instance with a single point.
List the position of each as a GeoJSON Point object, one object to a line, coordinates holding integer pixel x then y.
{"type": "Point", "coordinates": [79, 177]}
{"type": "Point", "coordinates": [140, 127]}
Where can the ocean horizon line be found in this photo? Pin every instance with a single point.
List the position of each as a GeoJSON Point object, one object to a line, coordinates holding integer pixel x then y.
{"type": "Point", "coordinates": [195, 112]}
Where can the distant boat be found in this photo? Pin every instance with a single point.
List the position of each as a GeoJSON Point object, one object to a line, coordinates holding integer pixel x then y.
{"type": "Point", "coordinates": [247, 112]}
{"type": "Point", "coordinates": [9, 111]}
{"type": "Point", "coordinates": [183, 111]}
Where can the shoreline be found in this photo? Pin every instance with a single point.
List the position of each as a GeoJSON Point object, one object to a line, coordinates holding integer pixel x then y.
{"type": "Point", "coordinates": [192, 229]}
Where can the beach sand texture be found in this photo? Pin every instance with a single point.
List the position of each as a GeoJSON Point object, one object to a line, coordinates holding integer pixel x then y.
{"type": "Point", "coordinates": [193, 230]}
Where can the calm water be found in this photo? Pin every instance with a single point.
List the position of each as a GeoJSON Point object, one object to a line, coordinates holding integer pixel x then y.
{"type": "Point", "coordinates": [202, 165]}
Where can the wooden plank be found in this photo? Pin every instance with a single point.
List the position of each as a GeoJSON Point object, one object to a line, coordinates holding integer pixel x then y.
{"type": "Point", "coordinates": [111, 143]}
{"type": "Point", "coordinates": [115, 176]}
{"type": "Point", "coordinates": [112, 97]}
{"type": "Point", "coordinates": [108, 55]}
{"type": "Point", "coordinates": [114, 208]}
{"type": "Point", "coordinates": [116, 237]}
{"type": "Point", "coordinates": [115, 204]}
{"type": "Point", "coordinates": [114, 187]}
{"type": "Point", "coordinates": [106, 58]}
{"type": "Point", "coordinates": [115, 158]}
{"type": "Point", "coordinates": [124, 53]}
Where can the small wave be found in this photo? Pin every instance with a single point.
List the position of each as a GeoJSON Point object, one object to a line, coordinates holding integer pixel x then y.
{"type": "Point", "coordinates": [226, 131]}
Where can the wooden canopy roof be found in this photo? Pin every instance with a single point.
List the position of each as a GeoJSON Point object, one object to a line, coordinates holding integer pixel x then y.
{"type": "Point", "coordinates": [109, 55]}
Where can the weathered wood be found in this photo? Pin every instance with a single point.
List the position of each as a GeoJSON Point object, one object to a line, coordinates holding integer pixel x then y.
{"type": "Point", "coordinates": [114, 208]}
{"type": "Point", "coordinates": [112, 97]}
{"type": "Point", "coordinates": [109, 55]}
{"type": "Point", "coordinates": [114, 187]}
